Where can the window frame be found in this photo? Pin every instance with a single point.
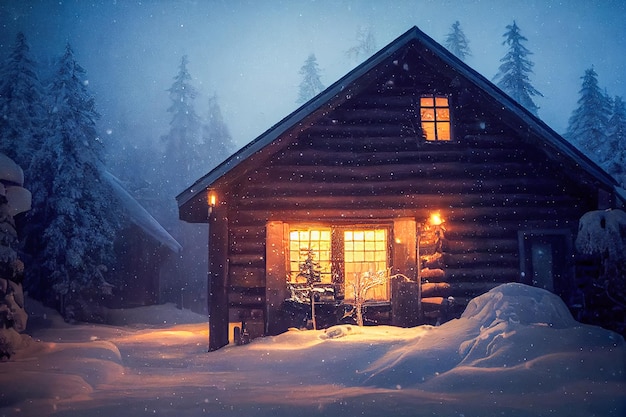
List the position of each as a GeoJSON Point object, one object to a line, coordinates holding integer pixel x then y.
{"type": "Point", "coordinates": [337, 252]}
{"type": "Point", "coordinates": [436, 121]}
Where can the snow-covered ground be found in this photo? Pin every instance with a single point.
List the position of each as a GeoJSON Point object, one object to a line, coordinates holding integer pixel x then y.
{"type": "Point", "coordinates": [515, 352]}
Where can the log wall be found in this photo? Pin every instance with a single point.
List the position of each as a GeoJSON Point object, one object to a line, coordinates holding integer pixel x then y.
{"type": "Point", "coordinates": [365, 160]}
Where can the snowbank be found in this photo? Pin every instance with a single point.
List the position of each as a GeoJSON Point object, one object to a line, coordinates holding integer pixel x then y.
{"type": "Point", "coordinates": [516, 351]}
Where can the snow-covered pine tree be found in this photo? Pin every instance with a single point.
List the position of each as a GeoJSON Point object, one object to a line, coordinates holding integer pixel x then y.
{"type": "Point", "coordinates": [217, 143]}
{"type": "Point", "coordinates": [72, 223]}
{"type": "Point", "coordinates": [513, 73]}
{"type": "Point", "coordinates": [457, 42]}
{"type": "Point", "coordinates": [21, 105]}
{"type": "Point", "coordinates": [311, 85]}
{"type": "Point", "coordinates": [616, 162]}
{"type": "Point", "coordinates": [587, 126]}
{"type": "Point", "coordinates": [182, 162]}
{"type": "Point", "coordinates": [365, 47]}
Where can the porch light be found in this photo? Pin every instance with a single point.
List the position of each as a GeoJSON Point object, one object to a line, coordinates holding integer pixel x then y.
{"type": "Point", "coordinates": [211, 200]}
{"type": "Point", "coordinates": [435, 219]}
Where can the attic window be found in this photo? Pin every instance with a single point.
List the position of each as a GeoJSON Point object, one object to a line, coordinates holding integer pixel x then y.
{"type": "Point", "coordinates": [435, 118]}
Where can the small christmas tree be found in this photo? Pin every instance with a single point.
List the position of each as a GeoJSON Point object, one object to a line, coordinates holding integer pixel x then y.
{"type": "Point", "coordinates": [310, 271]}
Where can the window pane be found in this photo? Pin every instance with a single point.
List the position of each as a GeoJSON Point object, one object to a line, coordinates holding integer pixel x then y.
{"type": "Point", "coordinates": [443, 131]}
{"type": "Point", "coordinates": [303, 240]}
{"type": "Point", "coordinates": [443, 114]}
{"type": "Point", "coordinates": [427, 114]}
{"type": "Point", "coordinates": [441, 101]}
{"type": "Point", "coordinates": [429, 130]}
{"type": "Point", "coordinates": [427, 102]}
{"type": "Point", "coordinates": [364, 257]}
{"type": "Point", "coordinates": [433, 112]}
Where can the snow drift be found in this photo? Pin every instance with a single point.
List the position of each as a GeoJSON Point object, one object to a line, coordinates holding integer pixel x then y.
{"type": "Point", "coordinates": [516, 351]}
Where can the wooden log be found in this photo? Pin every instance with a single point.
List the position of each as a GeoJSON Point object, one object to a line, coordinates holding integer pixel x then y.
{"type": "Point", "coordinates": [500, 275]}
{"type": "Point", "coordinates": [478, 259]}
{"type": "Point", "coordinates": [469, 290]}
{"type": "Point", "coordinates": [247, 276]}
{"type": "Point", "coordinates": [369, 196]}
{"type": "Point", "coordinates": [240, 300]}
{"type": "Point", "coordinates": [432, 274]}
{"type": "Point", "coordinates": [247, 260]}
{"type": "Point", "coordinates": [483, 245]}
{"type": "Point", "coordinates": [436, 289]}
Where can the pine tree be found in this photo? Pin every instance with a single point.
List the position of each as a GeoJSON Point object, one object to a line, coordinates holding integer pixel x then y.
{"type": "Point", "coordinates": [365, 47]}
{"type": "Point", "coordinates": [457, 42]}
{"type": "Point", "coordinates": [182, 158]}
{"type": "Point", "coordinates": [616, 162]}
{"type": "Point", "coordinates": [72, 223]}
{"type": "Point", "coordinates": [587, 127]}
{"type": "Point", "coordinates": [22, 112]}
{"type": "Point", "coordinates": [183, 163]}
{"type": "Point", "coordinates": [513, 74]}
{"type": "Point", "coordinates": [216, 139]}
{"type": "Point", "coordinates": [311, 85]}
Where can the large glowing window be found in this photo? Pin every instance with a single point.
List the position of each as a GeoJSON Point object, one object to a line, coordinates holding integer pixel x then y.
{"type": "Point", "coordinates": [301, 240]}
{"type": "Point", "coordinates": [365, 253]}
{"type": "Point", "coordinates": [435, 118]}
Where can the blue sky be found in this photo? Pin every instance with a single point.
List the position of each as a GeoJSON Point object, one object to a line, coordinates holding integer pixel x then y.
{"type": "Point", "coordinates": [249, 52]}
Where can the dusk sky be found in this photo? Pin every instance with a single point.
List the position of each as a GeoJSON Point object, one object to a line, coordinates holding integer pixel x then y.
{"type": "Point", "coordinates": [249, 52]}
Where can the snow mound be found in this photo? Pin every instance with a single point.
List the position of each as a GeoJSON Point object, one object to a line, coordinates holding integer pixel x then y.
{"type": "Point", "coordinates": [519, 304]}
{"type": "Point", "coordinates": [508, 330]}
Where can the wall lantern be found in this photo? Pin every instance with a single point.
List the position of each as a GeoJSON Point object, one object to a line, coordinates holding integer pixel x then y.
{"type": "Point", "coordinates": [435, 219]}
{"type": "Point", "coordinates": [211, 200]}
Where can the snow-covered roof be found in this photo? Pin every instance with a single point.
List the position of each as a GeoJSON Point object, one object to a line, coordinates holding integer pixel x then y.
{"type": "Point", "coordinates": [139, 215]}
{"type": "Point", "coordinates": [342, 89]}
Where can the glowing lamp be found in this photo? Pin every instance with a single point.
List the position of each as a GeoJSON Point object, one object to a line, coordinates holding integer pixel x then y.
{"type": "Point", "coordinates": [211, 200]}
{"type": "Point", "coordinates": [435, 219]}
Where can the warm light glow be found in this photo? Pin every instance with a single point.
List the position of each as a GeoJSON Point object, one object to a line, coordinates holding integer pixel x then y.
{"type": "Point", "coordinates": [212, 198]}
{"type": "Point", "coordinates": [435, 118]}
{"type": "Point", "coordinates": [435, 219]}
{"type": "Point", "coordinates": [300, 241]}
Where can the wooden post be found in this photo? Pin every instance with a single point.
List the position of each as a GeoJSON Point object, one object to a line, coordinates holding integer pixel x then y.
{"type": "Point", "coordinates": [276, 276]}
{"type": "Point", "coordinates": [420, 313]}
{"type": "Point", "coordinates": [218, 278]}
{"type": "Point", "coordinates": [405, 296]}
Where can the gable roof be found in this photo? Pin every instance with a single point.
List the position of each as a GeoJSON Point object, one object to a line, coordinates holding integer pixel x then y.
{"type": "Point", "coordinates": [341, 90]}
{"type": "Point", "coordinates": [139, 215]}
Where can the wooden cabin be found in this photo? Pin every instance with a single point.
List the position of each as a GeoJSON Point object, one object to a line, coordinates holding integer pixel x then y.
{"type": "Point", "coordinates": [412, 167]}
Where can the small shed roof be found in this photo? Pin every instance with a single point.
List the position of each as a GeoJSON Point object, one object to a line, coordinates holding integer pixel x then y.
{"type": "Point", "coordinates": [341, 91]}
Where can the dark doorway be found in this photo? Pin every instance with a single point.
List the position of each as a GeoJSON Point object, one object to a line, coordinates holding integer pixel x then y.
{"type": "Point", "coordinates": [546, 260]}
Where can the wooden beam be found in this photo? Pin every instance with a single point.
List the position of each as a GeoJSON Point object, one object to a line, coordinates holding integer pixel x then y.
{"type": "Point", "coordinates": [218, 278]}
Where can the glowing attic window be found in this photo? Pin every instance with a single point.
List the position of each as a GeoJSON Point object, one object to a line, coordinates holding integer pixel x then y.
{"type": "Point", "coordinates": [435, 117]}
